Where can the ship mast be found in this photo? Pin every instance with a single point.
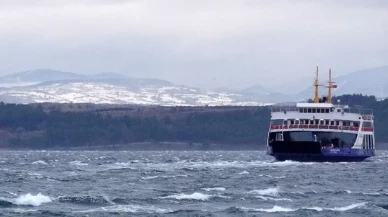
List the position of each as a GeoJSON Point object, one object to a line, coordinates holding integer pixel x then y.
{"type": "Point", "coordinates": [330, 87]}
{"type": "Point", "coordinates": [316, 84]}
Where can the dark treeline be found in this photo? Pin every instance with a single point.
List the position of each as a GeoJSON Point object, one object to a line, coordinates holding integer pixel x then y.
{"type": "Point", "coordinates": [41, 126]}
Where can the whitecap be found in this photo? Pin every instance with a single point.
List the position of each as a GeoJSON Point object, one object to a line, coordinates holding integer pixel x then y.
{"type": "Point", "coordinates": [149, 177]}
{"type": "Point", "coordinates": [11, 193]}
{"type": "Point", "coordinates": [346, 208]}
{"type": "Point", "coordinates": [275, 177]}
{"type": "Point", "coordinates": [39, 162]}
{"type": "Point", "coordinates": [244, 173]}
{"type": "Point", "coordinates": [316, 208]}
{"type": "Point", "coordinates": [340, 209]}
{"type": "Point", "coordinates": [274, 199]}
{"type": "Point", "coordinates": [372, 193]}
{"type": "Point", "coordinates": [32, 200]}
{"type": "Point", "coordinates": [273, 209]}
{"type": "Point", "coordinates": [78, 163]}
{"type": "Point", "coordinates": [167, 177]}
{"type": "Point", "coordinates": [269, 191]}
{"type": "Point", "coordinates": [129, 209]}
{"type": "Point", "coordinates": [319, 209]}
{"type": "Point", "coordinates": [214, 189]}
{"type": "Point", "coordinates": [193, 196]}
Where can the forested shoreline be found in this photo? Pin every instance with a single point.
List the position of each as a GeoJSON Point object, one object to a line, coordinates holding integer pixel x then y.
{"type": "Point", "coordinates": [87, 126]}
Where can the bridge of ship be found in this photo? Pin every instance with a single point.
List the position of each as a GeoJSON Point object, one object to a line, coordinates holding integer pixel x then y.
{"type": "Point", "coordinates": [322, 116]}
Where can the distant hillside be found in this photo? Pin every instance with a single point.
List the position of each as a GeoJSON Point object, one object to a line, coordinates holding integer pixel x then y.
{"type": "Point", "coordinates": [367, 82]}
{"type": "Point", "coordinates": [50, 126]}
{"type": "Point", "coordinates": [108, 75]}
{"type": "Point", "coordinates": [40, 75]}
{"type": "Point", "coordinates": [46, 85]}
{"type": "Point", "coordinates": [54, 86]}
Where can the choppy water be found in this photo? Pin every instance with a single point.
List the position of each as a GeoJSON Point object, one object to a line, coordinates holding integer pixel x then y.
{"type": "Point", "coordinates": [188, 184]}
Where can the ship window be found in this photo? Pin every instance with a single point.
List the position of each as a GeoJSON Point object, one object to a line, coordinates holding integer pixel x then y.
{"type": "Point", "coordinates": [327, 110]}
{"type": "Point", "coordinates": [292, 122]}
{"type": "Point", "coordinates": [327, 122]}
{"type": "Point", "coordinates": [338, 110]}
{"type": "Point", "coordinates": [309, 110]}
{"type": "Point", "coordinates": [367, 124]}
{"type": "Point", "coordinates": [337, 123]}
{"type": "Point", "coordinates": [304, 110]}
{"type": "Point", "coordinates": [297, 121]}
{"type": "Point", "coordinates": [279, 137]}
{"type": "Point", "coordinates": [276, 122]}
{"type": "Point", "coordinates": [316, 122]}
{"type": "Point", "coordinates": [314, 110]}
{"type": "Point", "coordinates": [311, 121]}
{"type": "Point", "coordinates": [300, 110]}
{"type": "Point", "coordinates": [318, 110]}
{"type": "Point", "coordinates": [332, 123]}
{"type": "Point", "coordinates": [356, 124]}
{"type": "Point", "coordinates": [285, 122]}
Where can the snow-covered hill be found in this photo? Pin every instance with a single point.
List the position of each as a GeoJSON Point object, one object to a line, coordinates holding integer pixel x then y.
{"type": "Point", "coordinates": [131, 91]}
{"type": "Point", "coordinates": [46, 85]}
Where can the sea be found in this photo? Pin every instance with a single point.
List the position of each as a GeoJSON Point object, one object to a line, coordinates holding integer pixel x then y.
{"type": "Point", "coordinates": [187, 183]}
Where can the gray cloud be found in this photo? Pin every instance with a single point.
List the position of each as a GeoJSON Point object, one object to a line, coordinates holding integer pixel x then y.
{"type": "Point", "coordinates": [200, 43]}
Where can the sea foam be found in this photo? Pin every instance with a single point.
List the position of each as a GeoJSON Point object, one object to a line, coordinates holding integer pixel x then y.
{"type": "Point", "coordinates": [32, 200]}
{"type": "Point", "coordinates": [266, 192]}
{"type": "Point", "coordinates": [193, 196]}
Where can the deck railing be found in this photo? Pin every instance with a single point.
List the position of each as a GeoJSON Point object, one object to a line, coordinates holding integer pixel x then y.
{"type": "Point", "coordinates": [317, 126]}
{"type": "Point", "coordinates": [344, 109]}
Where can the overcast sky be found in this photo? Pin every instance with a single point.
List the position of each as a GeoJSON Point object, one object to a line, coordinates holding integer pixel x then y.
{"type": "Point", "coordinates": [204, 43]}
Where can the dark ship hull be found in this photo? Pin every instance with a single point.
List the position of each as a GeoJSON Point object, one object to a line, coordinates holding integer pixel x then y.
{"type": "Point", "coordinates": [313, 151]}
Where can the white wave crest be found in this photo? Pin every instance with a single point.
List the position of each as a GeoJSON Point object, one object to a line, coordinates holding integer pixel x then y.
{"type": "Point", "coordinates": [193, 196]}
{"type": "Point", "coordinates": [345, 208]}
{"type": "Point", "coordinates": [39, 162]}
{"type": "Point", "coordinates": [78, 163]}
{"type": "Point", "coordinates": [266, 192]}
{"type": "Point", "coordinates": [273, 209]}
{"type": "Point", "coordinates": [372, 193]}
{"type": "Point", "coordinates": [319, 209]}
{"type": "Point", "coordinates": [183, 164]}
{"type": "Point", "coordinates": [149, 177]}
{"type": "Point", "coordinates": [274, 199]}
{"type": "Point", "coordinates": [11, 193]}
{"type": "Point", "coordinates": [129, 209]}
{"type": "Point", "coordinates": [32, 200]}
{"type": "Point", "coordinates": [164, 177]}
{"type": "Point", "coordinates": [275, 177]}
{"type": "Point", "coordinates": [214, 189]}
{"type": "Point", "coordinates": [244, 173]}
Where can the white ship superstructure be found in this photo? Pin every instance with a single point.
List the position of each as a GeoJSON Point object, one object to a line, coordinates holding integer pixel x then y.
{"type": "Point", "coordinates": [321, 130]}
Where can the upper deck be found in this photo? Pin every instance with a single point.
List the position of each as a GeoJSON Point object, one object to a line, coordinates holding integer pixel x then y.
{"type": "Point", "coordinates": [320, 111]}
{"type": "Point", "coordinates": [321, 116]}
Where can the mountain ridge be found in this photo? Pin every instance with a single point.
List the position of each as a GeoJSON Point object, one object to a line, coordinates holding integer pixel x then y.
{"type": "Point", "coordinates": [109, 87]}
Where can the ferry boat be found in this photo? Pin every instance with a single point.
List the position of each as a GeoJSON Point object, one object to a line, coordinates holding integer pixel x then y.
{"type": "Point", "coordinates": [321, 130]}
